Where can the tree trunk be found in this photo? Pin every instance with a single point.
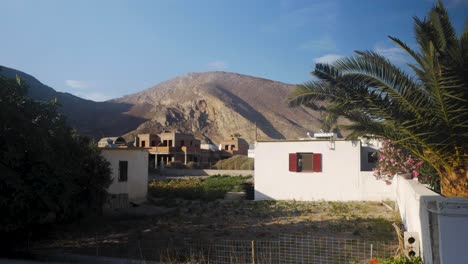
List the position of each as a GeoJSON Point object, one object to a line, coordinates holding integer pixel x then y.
{"type": "Point", "coordinates": [454, 182]}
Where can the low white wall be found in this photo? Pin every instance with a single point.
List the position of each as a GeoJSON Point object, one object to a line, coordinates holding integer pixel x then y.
{"type": "Point", "coordinates": [137, 184]}
{"type": "Point", "coordinates": [411, 197]}
{"type": "Point", "coordinates": [197, 172]}
{"type": "Point", "coordinates": [341, 178]}
{"type": "Point", "coordinates": [441, 222]}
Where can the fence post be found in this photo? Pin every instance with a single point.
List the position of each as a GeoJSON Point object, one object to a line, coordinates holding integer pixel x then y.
{"type": "Point", "coordinates": [97, 245]}
{"type": "Point", "coordinates": [253, 252]}
{"type": "Point", "coordinates": [371, 250]}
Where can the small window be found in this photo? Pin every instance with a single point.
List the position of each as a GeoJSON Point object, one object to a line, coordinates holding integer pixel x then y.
{"type": "Point", "coordinates": [372, 157]}
{"type": "Point", "coordinates": [123, 171]}
{"type": "Point", "coordinates": [233, 147]}
{"type": "Point", "coordinates": [305, 162]}
{"type": "Point", "coordinates": [153, 143]}
{"type": "Point", "coordinates": [143, 143]}
{"type": "Point", "coordinates": [226, 147]}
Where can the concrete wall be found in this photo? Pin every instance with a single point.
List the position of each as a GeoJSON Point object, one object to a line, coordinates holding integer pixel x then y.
{"type": "Point", "coordinates": [137, 184]}
{"type": "Point", "coordinates": [341, 178]}
{"type": "Point", "coordinates": [196, 172]}
{"type": "Point", "coordinates": [441, 222]}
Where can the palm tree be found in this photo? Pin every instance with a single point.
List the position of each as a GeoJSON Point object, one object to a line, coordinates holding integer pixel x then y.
{"type": "Point", "coordinates": [425, 112]}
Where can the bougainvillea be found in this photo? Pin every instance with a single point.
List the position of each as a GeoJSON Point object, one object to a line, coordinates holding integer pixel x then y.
{"type": "Point", "coordinates": [393, 160]}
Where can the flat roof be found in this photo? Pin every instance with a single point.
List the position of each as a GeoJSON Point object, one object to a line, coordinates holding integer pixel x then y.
{"type": "Point", "coordinates": [302, 140]}
{"type": "Point", "coordinates": [123, 148]}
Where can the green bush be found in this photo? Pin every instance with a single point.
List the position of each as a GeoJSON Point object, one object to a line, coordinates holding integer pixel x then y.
{"type": "Point", "coordinates": [49, 174]}
{"type": "Point", "coordinates": [402, 260]}
{"type": "Point", "coordinates": [192, 165]}
{"type": "Point", "coordinates": [237, 162]}
{"type": "Point", "coordinates": [175, 165]}
{"type": "Point", "coordinates": [212, 188]}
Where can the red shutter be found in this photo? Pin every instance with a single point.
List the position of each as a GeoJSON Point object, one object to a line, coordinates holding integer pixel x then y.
{"type": "Point", "coordinates": [317, 162]}
{"type": "Point", "coordinates": [293, 162]}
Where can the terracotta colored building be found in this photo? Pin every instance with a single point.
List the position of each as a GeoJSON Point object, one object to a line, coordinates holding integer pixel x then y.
{"type": "Point", "coordinates": [170, 147]}
{"type": "Point", "coordinates": [234, 146]}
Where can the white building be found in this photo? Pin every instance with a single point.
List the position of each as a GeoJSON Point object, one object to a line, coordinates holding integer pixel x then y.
{"type": "Point", "coordinates": [251, 153]}
{"type": "Point", "coordinates": [129, 175]}
{"type": "Point", "coordinates": [317, 169]}
{"type": "Point", "coordinates": [207, 146]}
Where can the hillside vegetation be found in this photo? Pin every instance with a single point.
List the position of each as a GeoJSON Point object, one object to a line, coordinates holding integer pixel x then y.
{"type": "Point", "coordinates": [236, 162]}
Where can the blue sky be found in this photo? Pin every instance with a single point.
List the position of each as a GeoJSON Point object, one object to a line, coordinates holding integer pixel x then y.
{"type": "Point", "coordinates": [106, 49]}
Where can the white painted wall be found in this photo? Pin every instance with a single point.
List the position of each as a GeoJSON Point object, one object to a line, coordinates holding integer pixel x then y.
{"type": "Point", "coordinates": [441, 222]}
{"type": "Point", "coordinates": [137, 184]}
{"type": "Point", "coordinates": [341, 178]}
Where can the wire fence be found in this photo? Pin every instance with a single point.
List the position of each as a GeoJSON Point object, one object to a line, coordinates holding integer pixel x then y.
{"type": "Point", "coordinates": [285, 249]}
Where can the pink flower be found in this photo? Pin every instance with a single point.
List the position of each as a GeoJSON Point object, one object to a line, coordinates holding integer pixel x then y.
{"type": "Point", "coordinates": [415, 174]}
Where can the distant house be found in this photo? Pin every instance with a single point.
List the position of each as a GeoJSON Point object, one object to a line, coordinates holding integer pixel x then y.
{"type": "Point", "coordinates": [234, 146]}
{"type": "Point", "coordinates": [170, 147]}
{"type": "Point", "coordinates": [129, 175]}
{"type": "Point", "coordinates": [317, 169]}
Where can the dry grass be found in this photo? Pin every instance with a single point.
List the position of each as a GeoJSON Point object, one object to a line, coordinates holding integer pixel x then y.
{"type": "Point", "coordinates": [195, 219]}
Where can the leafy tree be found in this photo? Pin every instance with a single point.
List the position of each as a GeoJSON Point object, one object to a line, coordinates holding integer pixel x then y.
{"type": "Point", "coordinates": [49, 174]}
{"type": "Point", "coordinates": [425, 113]}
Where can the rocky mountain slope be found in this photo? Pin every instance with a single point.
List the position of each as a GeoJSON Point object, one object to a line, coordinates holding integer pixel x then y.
{"type": "Point", "coordinates": [214, 105]}
{"type": "Point", "coordinates": [211, 105]}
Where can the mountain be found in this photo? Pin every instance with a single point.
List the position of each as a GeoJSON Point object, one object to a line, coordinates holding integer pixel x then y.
{"type": "Point", "coordinates": [95, 119]}
{"type": "Point", "coordinates": [215, 105]}
{"type": "Point", "coordinates": [211, 105]}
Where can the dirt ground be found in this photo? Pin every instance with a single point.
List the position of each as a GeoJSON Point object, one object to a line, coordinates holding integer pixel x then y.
{"type": "Point", "coordinates": [170, 219]}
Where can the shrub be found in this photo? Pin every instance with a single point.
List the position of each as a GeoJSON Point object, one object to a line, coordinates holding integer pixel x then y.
{"type": "Point", "coordinates": [429, 176]}
{"type": "Point", "coordinates": [393, 160]}
{"type": "Point", "coordinates": [188, 189]}
{"type": "Point", "coordinates": [49, 174]}
{"type": "Point", "coordinates": [175, 165]}
{"type": "Point", "coordinates": [193, 165]}
{"type": "Point", "coordinates": [236, 162]}
{"type": "Point", "coordinates": [397, 260]}
{"type": "Point", "coordinates": [212, 188]}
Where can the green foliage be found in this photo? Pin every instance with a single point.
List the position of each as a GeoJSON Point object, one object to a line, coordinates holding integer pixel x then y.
{"type": "Point", "coordinates": [425, 113]}
{"type": "Point", "coordinates": [175, 165]}
{"type": "Point", "coordinates": [212, 188]}
{"type": "Point", "coordinates": [192, 165]}
{"type": "Point", "coordinates": [236, 162]}
{"type": "Point", "coordinates": [399, 260]}
{"type": "Point", "coordinates": [49, 174]}
{"type": "Point", "coordinates": [430, 177]}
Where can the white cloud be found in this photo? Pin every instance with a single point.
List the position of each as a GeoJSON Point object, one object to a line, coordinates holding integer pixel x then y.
{"type": "Point", "coordinates": [329, 58]}
{"type": "Point", "coordinates": [93, 95]}
{"type": "Point", "coordinates": [318, 44]}
{"type": "Point", "coordinates": [217, 65]}
{"type": "Point", "coordinates": [78, 84]}
{"type": "Point", "coordinates": [394, 54]}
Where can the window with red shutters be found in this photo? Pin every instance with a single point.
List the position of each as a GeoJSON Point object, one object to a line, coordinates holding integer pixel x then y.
{"type": "Point", "coordinates": [317, 162]}
{"type": "Point", "coordinates": [305, 162]}
{"type": "Point", "coordinates": [293, 162]}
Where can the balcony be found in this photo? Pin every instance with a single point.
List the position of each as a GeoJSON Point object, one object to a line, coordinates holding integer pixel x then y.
{"type": "Point", "coordinates": [163, 149]}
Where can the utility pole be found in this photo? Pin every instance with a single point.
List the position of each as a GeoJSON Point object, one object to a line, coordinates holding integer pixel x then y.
{"type": "Point", "coordinates": [255, 131]}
